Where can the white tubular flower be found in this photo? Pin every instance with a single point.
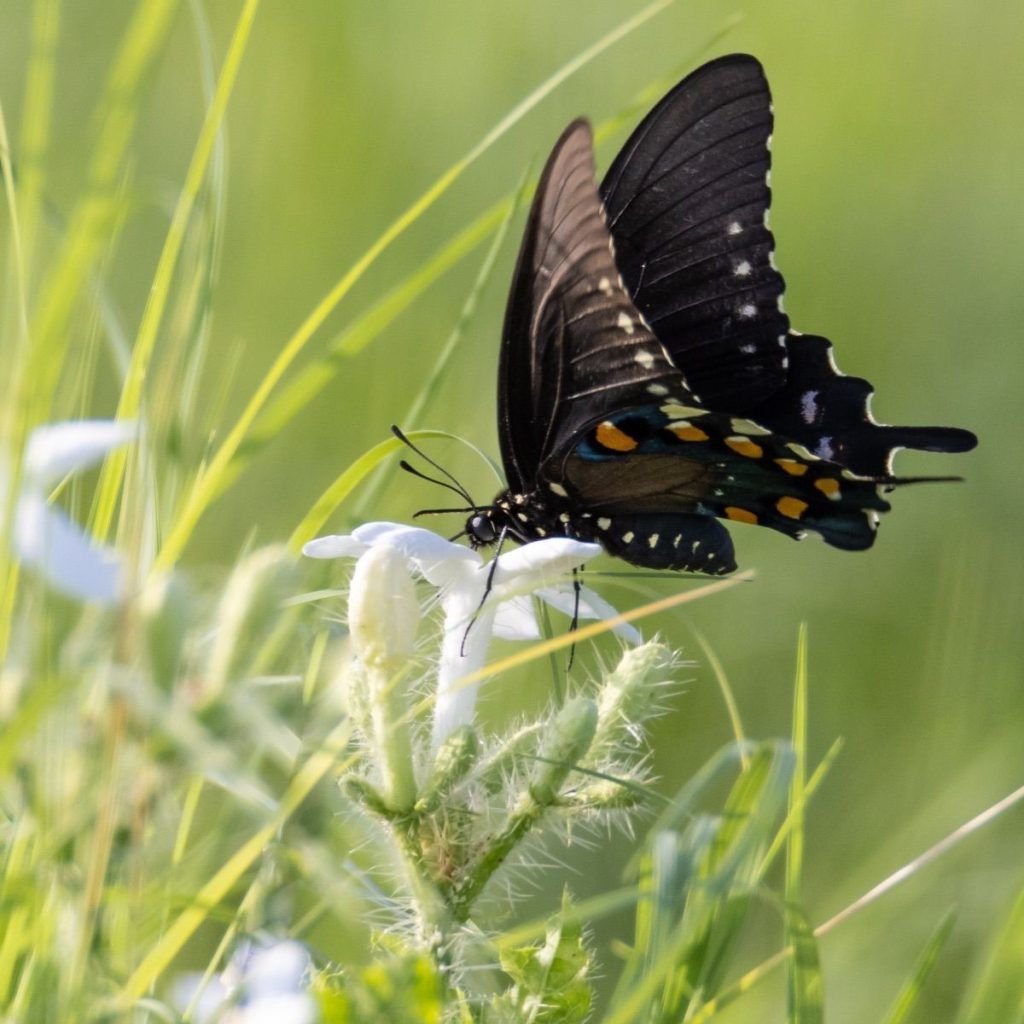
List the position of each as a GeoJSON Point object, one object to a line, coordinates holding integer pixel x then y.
{"type": "Point", "coordinates": [461, 577]}
{"type": "Point", "coordinates": [44, 537]}
{"type": "Point", "coordinates": [261, 985]}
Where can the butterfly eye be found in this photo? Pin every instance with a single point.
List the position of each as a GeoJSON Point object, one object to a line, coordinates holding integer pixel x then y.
{"type": "Point", "coordinates": [481, 530]}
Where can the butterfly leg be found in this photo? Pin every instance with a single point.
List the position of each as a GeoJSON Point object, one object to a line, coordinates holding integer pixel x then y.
{"type": "Point", "coordinates": [488, 586]}
{"type": "Point", "coordinates": [577, 588]}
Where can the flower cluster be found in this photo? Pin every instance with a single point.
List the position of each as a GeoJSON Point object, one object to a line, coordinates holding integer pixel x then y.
{"type": "Point", "coordinates": [480, 599]}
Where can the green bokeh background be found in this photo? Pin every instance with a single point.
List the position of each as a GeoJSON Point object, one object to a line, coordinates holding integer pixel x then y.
{"type": "Point", "coordinates": [900, 229]}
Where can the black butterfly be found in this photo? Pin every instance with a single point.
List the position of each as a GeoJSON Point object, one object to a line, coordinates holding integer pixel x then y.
{"type": "Point", "coordinates": [650, 383]}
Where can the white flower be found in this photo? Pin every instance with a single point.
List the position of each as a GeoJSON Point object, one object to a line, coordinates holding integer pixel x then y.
{"type": "Point", "coordinates": [261, 985]}
{"type": "Point", "coordinates": [43, 537]}
{"type": "Point", "coordinates": [461, 576]}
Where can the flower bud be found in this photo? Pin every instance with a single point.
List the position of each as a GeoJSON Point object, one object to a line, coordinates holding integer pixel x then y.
{"type": "Point", "coordinates": [452, 763]}
{"type": "Point", "coordinates": [383, 612]}
{"type": "Point", "coordinates": [565, 745]}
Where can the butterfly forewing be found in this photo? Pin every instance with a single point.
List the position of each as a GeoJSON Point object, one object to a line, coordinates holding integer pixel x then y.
{"type": "Point", "coordinates": [574, 343]}
{"type": "Point", "coordinates": [687, 201]}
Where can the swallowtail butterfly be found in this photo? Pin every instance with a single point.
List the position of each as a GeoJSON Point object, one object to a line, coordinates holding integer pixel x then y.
{"type": "Point", "coordinates": [650, 384]}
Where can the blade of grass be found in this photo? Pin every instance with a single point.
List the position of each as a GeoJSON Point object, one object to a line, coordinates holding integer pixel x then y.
{"type": "Point", "coordinates": [909, 995]}
{"type": "Point", "coordinates": [36, 121]}
{"type": "Point", "coordinates": [731, 707]}
{"type": "Point", "coordinates": [999, 993]}
{"type": "Point", "coordinates": [816, 779]}
{"type": "Point", "coordinates": [208, 484]}
{"type": "Point", "coordinates": [432, 384]}
{"type": "Point", "coordinates": [908, 870]}
{"type": "Point", "coordinates": [93, 215]}
{"type": "Point", "coordinates": [804, 989]}
{"type": "Point", "coordinates": [170, 944]}
{"type": "Point", "coordinates": [156, 302]}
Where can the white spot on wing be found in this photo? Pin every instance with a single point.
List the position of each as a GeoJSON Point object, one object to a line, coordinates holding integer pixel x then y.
{"type": "Point", "coordinates": [625, 322]}
{"type": "Point", "coordinates": [604, 523]}
{"type": "Point", "coordinates": [823, 449]}
{"type": "Point", "coordinates": [657, 389]}
{"type": "Point", "coordinates": [605, 286]}
{"type": "Point", "coordinates": [644, 358]}
{"type": "Point", "coordinates": [627, 537]}
{"type": "Point", "coordinates": [747, 310]}
{"type": "Point", "coordinates": [742, 269]}
{"type": "Point", "coordinates": [681, 412]}
{"type": "Point", "coordinates": [742, 426]}
{"type": "Point", "coordinates": [653, 540]}
{"type": "Point", "coordinates": [809, 406]}
{"type": "Point", "coordinates": [734, 227]}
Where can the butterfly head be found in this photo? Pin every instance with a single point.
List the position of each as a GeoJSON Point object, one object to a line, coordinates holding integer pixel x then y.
{"type": "Point", "coordinates": [487, 525]}
{"type": "Point", "coordinates": [481, 529]}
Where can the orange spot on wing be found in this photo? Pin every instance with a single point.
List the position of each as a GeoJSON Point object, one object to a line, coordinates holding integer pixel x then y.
{"type": "Point", "coordinates": [793, 508]}
{"type": "Point", "coordinates": [791, 466]}
{"type": "Point", "coordinates": [687, 432]}
{"type": "Point", "coordinates": [828, 486]}
{"type": "Point", "coordinates": [609, 436]}
{"type": "Point", "coordinates": [744, 446]}
{"type": "Point", "coordinates": [740, 515]}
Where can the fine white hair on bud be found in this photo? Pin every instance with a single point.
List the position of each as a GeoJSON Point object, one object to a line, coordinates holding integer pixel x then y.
{"type": "Point", "coordinates": [383, 613]}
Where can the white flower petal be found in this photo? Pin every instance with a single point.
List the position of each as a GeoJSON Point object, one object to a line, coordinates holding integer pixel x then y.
{"type": "Point", "coordinates": [61, 448]}
{"type": "Point", "coordinates": [592, 606]}
{"type": "Point", "coordinates": [539, 564]}
{"type": "Point", "coordinates": [335, 545]}
{"type": "Point", "coordinates": [516, 620]}
{"type": "Point", "coordinates": [282, 1008]}
{"type": "Point", "coordinates": [415, 542]}
{"type": "Point", "coordinates": [276, 969]}
{"type": "Point", "coordinates": [211, 1001]}
{"type": "Point", "coordinates": [48, 541]}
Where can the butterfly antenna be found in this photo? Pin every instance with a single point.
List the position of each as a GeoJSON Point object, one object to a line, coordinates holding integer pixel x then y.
{"type": "Point", "coordinates": [442, 511]}
{"type": "Point", "coordinates": [433, 479]}
{"type": "Point", "coordinates": [454, 486]}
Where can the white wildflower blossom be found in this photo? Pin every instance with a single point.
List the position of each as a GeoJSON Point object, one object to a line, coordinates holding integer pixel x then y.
{"type": "Point", "coordinates": [261, 985]}
{"type": "Point", "coordinates": [462, 578]}
{"type": "Point", "coordinates": [44, 538]}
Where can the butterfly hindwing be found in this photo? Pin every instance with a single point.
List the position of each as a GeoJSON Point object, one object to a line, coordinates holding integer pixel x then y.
{"type": "Point", "coordinates": [674, 463]}
{"type": "Point", "coordinates": [830, 414]}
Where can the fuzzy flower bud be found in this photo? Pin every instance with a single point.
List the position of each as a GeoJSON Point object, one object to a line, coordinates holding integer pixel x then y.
{"type": "Point", "coordinates": [630, 696]}
{"type": "Point", "coordinates": [565, 745]}
{"type": "Point", "coordinates": [383, 612]}
{"type": "Point", "coordinates": [452, 763]}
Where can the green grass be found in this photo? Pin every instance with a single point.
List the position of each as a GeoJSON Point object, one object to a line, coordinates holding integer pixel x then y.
{"type": "Point", "coordinates": [190, 770]}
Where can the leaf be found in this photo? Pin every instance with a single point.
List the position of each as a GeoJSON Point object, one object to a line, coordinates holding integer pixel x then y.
{"type": "Point", "coordinates": [397, 988]}
{"type": "Point", "coordinates": [999, 994]}
{"type": "Point", "coordinates": [804, 984]}
{"type": "Point", "coordinates": [549, 981]}
{"type": "Point", "coordinates": [911, 991]}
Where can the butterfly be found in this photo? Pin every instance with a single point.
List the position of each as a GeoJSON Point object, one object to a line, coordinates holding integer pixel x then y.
{"type": "Point", "coordinates": [650, 385]}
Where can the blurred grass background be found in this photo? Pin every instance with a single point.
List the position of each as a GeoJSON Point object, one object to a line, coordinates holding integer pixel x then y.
{"type": "Point", "coordinates": [900, 231]}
